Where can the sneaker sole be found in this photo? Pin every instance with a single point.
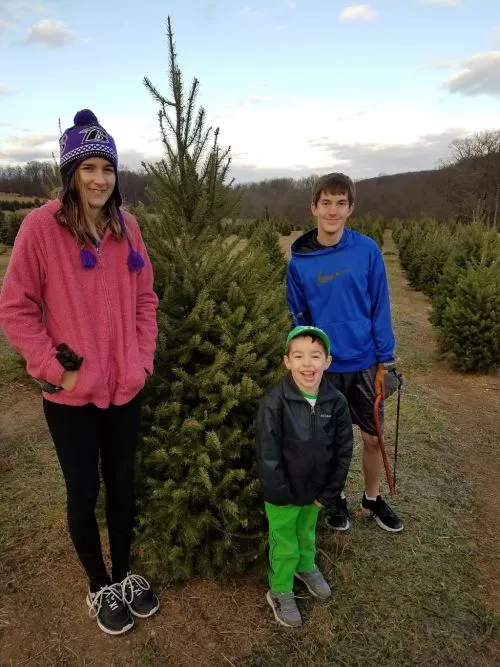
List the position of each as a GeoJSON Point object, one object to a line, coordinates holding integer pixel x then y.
{"type": "Point", "coordinates": [280, 621]}
{"type": "Point", "coordinates": [341, 530]}
{"type": "Point", "coordinates": [153, 611]}
{"type": "Point", "coordinates": [102, 627]}
{"type": "Point", "coordinates": [319, 597]}
{"type": "Point", "coordinates": [380, 523]}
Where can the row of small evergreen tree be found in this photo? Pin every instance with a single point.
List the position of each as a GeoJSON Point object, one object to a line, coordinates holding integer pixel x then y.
{"type": "Point", "coordinates": [458, 267]}
{"type": "Point", "coordinates": [18, 204]}
{"type": "Point", "coordinates": [9, 225]}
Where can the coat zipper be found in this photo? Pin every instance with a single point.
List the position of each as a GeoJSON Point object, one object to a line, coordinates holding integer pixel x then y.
{"type": "Point", "coordinates": [313, 421]}
{"type": "Point", "coordinates": [100, 264]}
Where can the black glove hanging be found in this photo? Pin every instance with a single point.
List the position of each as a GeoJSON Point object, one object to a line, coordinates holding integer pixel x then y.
{"type": "Point", "coordinates": [68, 359]}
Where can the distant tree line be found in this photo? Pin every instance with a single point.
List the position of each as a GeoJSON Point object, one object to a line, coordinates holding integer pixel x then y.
{"type": "Point", "coordinates": [40, 179]}
{"type": "Point", "coordinates": [465, 188]}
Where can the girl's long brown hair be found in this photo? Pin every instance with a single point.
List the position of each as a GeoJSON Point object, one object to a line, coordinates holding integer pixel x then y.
{"type": "Point", "coordinates": [75, 214]}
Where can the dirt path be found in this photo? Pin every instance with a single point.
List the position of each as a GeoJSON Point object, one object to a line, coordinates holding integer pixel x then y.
{"type": "Point", "coordinates": [43, 620]}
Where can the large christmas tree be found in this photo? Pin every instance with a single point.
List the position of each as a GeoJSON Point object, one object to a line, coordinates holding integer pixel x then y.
{"type": "Point", "coordinates": [222, 326]}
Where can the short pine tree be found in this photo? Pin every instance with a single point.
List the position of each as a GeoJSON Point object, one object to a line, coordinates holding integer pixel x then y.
{"type": "Point", "coordinates": [222, 326]}
{"type": "Point", "coordinates": [368, 227]}
{"type": "Point", "coordinates": [423, 249]}
{"type": "Point", "coordinates": [266, 239]}
{"type": "Point", "coordinates": [470, 330]}
{"type": "Point", "coordinates": [471, 243]}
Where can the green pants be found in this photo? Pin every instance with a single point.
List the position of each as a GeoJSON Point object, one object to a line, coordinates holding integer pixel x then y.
{"type": "Point", "coordinates": [292, 543]}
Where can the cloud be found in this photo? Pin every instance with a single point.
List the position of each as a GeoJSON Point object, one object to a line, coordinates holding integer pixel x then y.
{"type": "Point", "coordinates": [6, 90]}
{"type": "Point", "coordinates": [4, 27]}
{"type": "Point", "coordinates": [358, 13]}
{"type": "Point", "coordinates": [18, 10]}
{"type": "Point", "coordinates": [436, 65]}
{"type": "Point", "coordinates": [365, 160]}
{"type": "Point", "coordinates": [29, 146]}
{"type": "Point", "coordinates": [50, 33]}
{"type": "Point", "coordinates": [480, 75]}
{"type": "Point", "coordinates": [440, 3]}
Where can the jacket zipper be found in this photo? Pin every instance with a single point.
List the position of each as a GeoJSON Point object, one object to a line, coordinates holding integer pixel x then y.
{"type": "Point", "coordinates": [100, 263]}
{"type": "Point", "coordinates": [313, 421]}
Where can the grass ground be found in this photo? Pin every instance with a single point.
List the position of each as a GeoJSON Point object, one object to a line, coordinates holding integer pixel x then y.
{"type": "Point", "coordinates": [427, 596]}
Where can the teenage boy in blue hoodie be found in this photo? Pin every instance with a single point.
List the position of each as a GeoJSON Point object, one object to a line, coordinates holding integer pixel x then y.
{"type": "Point", "coordinates": [336, 281]}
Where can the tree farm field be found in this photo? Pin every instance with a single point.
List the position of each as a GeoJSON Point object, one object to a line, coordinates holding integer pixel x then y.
{"type": "Point", "coordinates": [427, 596]}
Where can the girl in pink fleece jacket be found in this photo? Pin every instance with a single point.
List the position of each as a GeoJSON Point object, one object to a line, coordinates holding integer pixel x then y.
{"type": "Point", "coordinates": [78, 304]}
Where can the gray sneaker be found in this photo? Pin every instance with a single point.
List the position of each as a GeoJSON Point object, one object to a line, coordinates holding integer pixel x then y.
{"type": "Point", "coordinates": [285, 609]}
{"type": "Point", "coordinates": [315, 583]}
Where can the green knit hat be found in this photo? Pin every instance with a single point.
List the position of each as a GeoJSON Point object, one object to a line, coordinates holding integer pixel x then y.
{"type": "Point", "coordinates": [309, 331]}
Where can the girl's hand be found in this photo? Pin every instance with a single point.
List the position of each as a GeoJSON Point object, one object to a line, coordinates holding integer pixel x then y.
{"type": "Point", "coordinates": [318, 504]}
{"type": "Point", "coordinates": [69, 380]}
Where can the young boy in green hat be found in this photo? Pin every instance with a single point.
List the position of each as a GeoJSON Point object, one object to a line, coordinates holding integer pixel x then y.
{"type": "Point", "coordinates": [304, 449]}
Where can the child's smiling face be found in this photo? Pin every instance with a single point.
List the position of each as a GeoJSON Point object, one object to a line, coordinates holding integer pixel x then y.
{"type": "Point", "coordinates": [307, 360]}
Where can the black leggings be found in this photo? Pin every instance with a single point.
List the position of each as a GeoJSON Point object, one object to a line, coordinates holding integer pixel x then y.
{"type": "Point", "coordinates": [80, 434]}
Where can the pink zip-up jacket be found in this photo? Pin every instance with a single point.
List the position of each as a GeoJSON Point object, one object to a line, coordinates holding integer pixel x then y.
{"type": "Point", "coordinates": [106, 314]}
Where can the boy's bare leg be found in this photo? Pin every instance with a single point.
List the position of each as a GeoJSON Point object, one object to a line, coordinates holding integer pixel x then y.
{"type": "Point", "coordinates": [372, 464]}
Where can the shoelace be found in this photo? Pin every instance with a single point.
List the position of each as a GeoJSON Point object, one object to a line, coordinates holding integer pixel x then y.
{"type": "Point", "coordinates": [385, 511]}
{"type": "Point", "coordinates": [315, 576]}
{"type": "Point", "coordinates": [287, 603]}
{"type": "Point", "coordinates": [112, 594]}
{"type": "Point", "coordinates": [133, 584]}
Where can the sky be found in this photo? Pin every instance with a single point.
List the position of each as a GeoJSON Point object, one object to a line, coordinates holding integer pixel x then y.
{"type": "Point", "coordinates": [297, 87]}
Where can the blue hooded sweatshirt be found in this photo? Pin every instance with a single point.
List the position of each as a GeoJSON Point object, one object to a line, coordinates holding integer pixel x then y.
{"type": "Point", "coordinates": [343, 290]}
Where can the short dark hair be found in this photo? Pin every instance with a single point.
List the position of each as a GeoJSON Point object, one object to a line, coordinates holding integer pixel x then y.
{"type": "Point", "coordinates": [335, 184]}
{"type": "Point", "coordinates": [308, 335]}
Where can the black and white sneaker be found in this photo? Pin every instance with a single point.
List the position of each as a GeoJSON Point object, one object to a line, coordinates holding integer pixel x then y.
{"type": "Point", "coordinates": [107, 607]}
{"type": "Point", "coordinates": [338, 518]}
{"type": "Point", "coordinates": [138, 595]}
{"type": "Point", "coordinates": [383, 514]}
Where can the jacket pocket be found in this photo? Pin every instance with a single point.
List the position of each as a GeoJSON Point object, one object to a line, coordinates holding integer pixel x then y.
{"type": "Point", "coordinates": [135, 375]}
{"type": "Point", "coordinates": [88, 383]}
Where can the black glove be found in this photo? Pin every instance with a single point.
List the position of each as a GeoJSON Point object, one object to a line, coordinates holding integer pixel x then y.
{"type": "Point", "coordinates": [387, 380]}
{"type": "Point", "coordinates": [68, 359]}
{"type": "Point", "coordinates": [47, 386]}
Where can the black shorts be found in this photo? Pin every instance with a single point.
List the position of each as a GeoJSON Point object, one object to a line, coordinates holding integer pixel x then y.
{"type": "Point", "coordinates": [359, 390]}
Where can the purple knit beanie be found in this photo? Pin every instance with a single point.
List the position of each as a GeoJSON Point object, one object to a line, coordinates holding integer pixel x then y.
{"type": "Point", "coordinates": [86, 139]}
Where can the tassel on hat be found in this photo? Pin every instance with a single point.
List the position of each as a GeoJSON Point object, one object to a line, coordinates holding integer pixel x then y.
{"type": "Point", "coordinates": [134, 260]}
{"type": "Point", "coordinates": [87, 258]}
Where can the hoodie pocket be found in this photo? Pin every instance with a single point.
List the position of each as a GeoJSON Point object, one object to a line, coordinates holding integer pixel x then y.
{"type": "Point", "coordinates": [349, 340]}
